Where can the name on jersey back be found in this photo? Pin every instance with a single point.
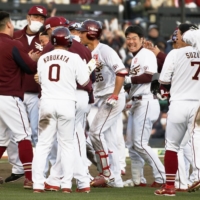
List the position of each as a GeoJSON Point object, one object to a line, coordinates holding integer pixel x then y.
{"type": "Point", "coordinates": [56, 57]}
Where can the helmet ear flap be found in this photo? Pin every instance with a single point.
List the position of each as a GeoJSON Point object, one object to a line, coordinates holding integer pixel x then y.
{"type": "Point", "coordinates": [90, 35]}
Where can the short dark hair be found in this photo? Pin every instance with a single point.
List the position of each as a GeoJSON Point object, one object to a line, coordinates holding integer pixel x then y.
{"type": "Point", "coordinates": [135, 29]}
{"type": "Point", "coordinates": [185, 27]}
{"type": "Point", "coordinates": [4, 17]}
{"type": "Point", "coordinates": [42, 30]}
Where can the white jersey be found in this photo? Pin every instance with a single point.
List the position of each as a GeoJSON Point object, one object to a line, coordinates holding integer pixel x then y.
{"type": "Point", "coordinates": [144, 62]}
{"type": "Point", "coordinates": [106, 74]}
{"type": "Point", "coordinates": [58, 72]}
{"type": "Point", "coordinates": [192, 37]}
{"type": "Point", "coordinates": [182, 68]}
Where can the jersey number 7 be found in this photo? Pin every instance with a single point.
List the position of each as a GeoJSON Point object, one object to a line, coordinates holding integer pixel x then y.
{"type": "Point", "coordinates": [195, 77]}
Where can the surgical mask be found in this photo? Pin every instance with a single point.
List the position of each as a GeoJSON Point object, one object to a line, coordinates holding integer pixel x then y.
{"type": "Point", "coordinates": [35, 26]}
{"type": "Point", "coordinates": [163, 121]}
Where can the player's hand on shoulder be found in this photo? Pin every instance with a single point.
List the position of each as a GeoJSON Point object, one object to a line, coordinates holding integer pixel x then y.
{"type": "Point", "coordinates": [112, 100]}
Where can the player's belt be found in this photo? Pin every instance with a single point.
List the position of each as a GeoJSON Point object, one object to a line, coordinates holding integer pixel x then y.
{"type": "Point", "coordinates": [136, 98]}
{"type": "Point", "coordinates": [143, 97]}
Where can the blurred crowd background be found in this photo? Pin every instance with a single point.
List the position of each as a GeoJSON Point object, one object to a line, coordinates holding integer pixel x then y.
{"type": "Point", "coordinates": [153, 15]}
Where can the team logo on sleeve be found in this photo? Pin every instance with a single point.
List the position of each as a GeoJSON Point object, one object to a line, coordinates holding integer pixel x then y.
{"type": "Point", "coordinates": [134, 71]}
{"type": "Point", "coordinates": [115, 67]}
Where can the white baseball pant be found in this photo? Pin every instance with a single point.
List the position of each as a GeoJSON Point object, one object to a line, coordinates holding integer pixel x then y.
{"type": "Point", "coordinates": [144, 113]}
{"type": "Point", "coordinates": [55, 120]}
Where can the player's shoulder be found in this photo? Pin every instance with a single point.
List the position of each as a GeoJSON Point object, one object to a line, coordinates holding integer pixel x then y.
{"type": "Point", "coordinates": [145, 51]}
{"type": "Point", "coordinates": [19, 34]}
{"type": "Point", "coordinates": [105, 50]}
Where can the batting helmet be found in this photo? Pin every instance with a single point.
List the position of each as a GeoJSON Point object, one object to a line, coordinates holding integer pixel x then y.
{"type": "Point", "coordinates": [92, 27]}
{"type": "Point", "coordinates": [61, 36]}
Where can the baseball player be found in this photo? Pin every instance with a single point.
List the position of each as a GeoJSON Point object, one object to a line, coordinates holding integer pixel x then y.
{"type": "Point", "coordinates": [183, 180]}
{"type": "Point", "coordinates": [80, 170]}
{"type": "Point", "coordinates": [180, 71]}
{"type": "Point", "coordinates": [145, 109]}
{"type": "Point", "coordinates": [58, 95]}
{"type": "Point", "coordinates": [191, 37]}
{"type": "Point", "coordinates": [111, 100]}
{"type": "Point", "coordinates": [29, 37]}
{"type": "Point", "coordinates": [14, 62]}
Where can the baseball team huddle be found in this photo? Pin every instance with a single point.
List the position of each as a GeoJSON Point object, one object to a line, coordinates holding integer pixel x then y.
{"type": "Point", "coordinates": [56, 76]}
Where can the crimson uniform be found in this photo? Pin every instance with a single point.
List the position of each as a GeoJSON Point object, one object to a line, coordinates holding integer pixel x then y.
{"type": "Point", "coordinates": [14, 61]}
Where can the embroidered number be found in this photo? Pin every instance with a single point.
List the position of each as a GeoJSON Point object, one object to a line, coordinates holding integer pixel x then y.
{"type": "Point", "coordinates": [195, 77]}
{"type": "Point", "coordinates": [54, 72]}
{"type": "Point", "coordinates": [99, 77]}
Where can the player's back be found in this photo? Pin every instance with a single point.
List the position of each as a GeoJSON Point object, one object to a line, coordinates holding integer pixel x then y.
{"type": "Point", "coordinates": [185, 80]}
{"type": "Point", "coordinates": [57, 74]}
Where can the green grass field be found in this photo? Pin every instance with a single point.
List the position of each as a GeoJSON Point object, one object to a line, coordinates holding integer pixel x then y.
{"type": "Point", "coordinates": [15, 191]}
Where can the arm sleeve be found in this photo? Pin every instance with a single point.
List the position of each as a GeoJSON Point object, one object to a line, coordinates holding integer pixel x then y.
{"type": "Point", "coordinates": [114, 62]}
{"type": "Point", "coordinates": [168, 68]}
{"type": "Point", "coordinates": [81, 71]}
{"type": "Point", "coordinates": [143, 78]}
{"type": "Point", "coordinates": [23, 60]}
{"type": "Point", "coordinates": [160, 60]}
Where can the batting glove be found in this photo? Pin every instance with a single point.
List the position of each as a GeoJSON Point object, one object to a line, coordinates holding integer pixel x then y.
{"type": "Point", "coordinates": [163, 95]}
{"type": "Point", "coordinates": [112, 100]}
{"type": "Point", "coordinates": [127, 80]}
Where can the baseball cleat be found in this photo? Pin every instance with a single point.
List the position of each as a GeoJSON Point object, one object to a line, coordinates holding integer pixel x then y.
{"type": "Point", "coordinates": [48, 187]}
{"type": "Point", "coordinates": [13, 177]}
{"type": "Point", "coordinates": [98, 181]}
{"type": "Point", "coordinates": [156, 185]}
{"type": "Point", "coordinates": [166, 190]}
{"type": "Point", "coordinates": [38, 191]}
{"type": "Point", "coordinates": [66, 190]}
{"type": "Point", "coordinates": [83, 190]}
{"type": "Point", "coordinates": [194, 187]}
{"type": "Point", "coordinates": [123, 173]}
{"type": "Point", "coordinates": [141, 185]}
{"type": "Point", "coordinates": [28, 184]}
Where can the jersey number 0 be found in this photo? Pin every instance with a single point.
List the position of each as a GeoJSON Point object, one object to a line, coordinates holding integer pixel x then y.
{"type": "Point", "coordinates": [54, 72]}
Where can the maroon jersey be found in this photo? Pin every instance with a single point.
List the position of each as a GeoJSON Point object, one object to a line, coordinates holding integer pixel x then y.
{"type": "Point", "coordinates": [29, 83]}
{"type": "Point", "coordinates": [14, 61]}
